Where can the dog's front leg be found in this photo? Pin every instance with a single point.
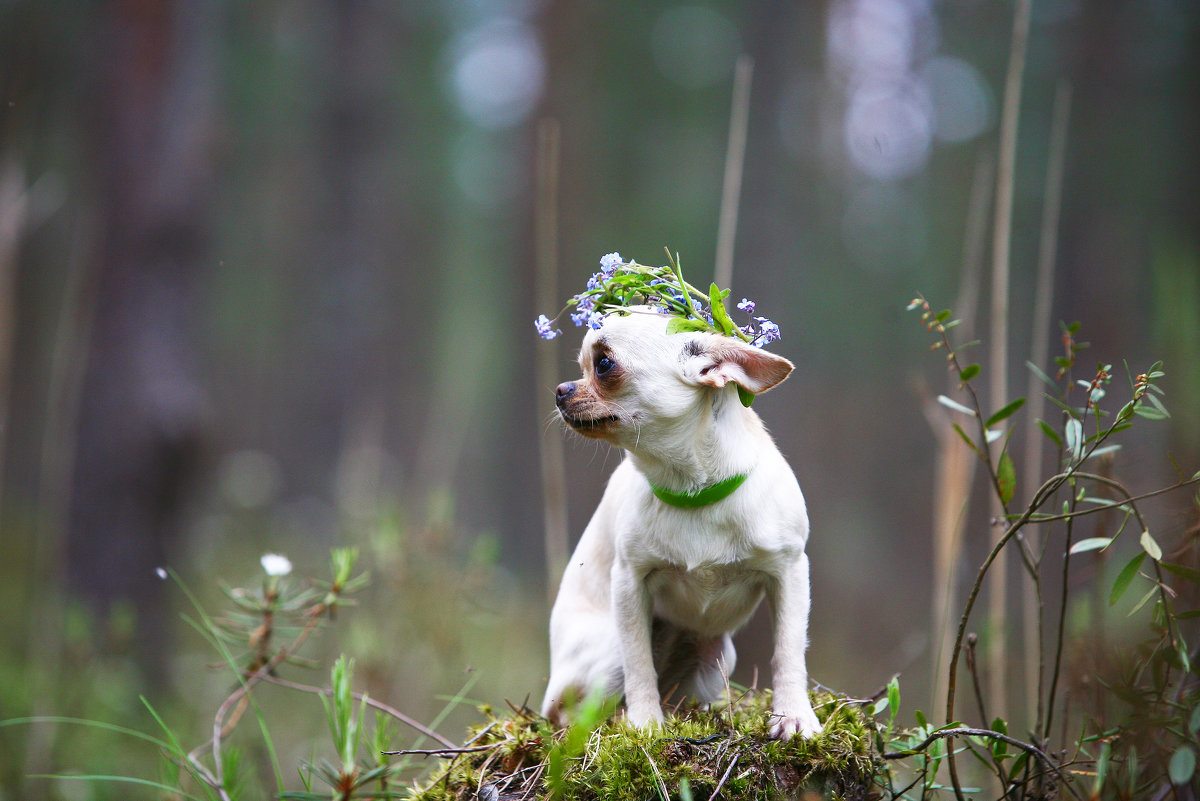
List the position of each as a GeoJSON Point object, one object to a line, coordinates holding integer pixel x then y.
{"type": "Point", "coordinates": [793, 712]}
{"type": "Point", "coordinates": [632, 607]}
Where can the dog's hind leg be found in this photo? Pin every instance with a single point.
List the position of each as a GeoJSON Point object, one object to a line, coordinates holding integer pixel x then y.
{"type": "Point", "coordinates": [690, 664]}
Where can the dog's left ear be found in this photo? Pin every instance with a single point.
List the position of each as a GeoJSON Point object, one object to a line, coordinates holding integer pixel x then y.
{"type": "Point", "coordinates": [716, 361]}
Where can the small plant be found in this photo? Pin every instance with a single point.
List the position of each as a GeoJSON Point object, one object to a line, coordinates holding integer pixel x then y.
{"type": "Point", "coordinates": [1159, 686]}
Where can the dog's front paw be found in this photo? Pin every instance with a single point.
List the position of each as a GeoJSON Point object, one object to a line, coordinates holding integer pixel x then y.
{"type": "Point", "coordinates": [804, 723]}
{"type": "Point", "coordinates": [644, 716]}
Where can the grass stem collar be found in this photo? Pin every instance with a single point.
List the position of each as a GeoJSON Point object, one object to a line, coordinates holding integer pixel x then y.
{"type": "Point", "coordinates": [704, 497]}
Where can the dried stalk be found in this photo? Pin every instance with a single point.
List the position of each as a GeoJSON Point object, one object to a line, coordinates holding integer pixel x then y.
{"type": "Point", "coordinates": [1043, 302]}
{"type": "Point", "coordinates": [550, 448]}
{"type": "Point", "coordinates": [955, 464]}
{"type": "Point", "coordinates": [735, 157]}
{"type": "Point", "coordinates": [1001, 243]}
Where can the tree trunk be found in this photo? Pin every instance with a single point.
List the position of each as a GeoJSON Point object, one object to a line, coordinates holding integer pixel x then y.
{"type": "Point", "coordinates": [142, 410]}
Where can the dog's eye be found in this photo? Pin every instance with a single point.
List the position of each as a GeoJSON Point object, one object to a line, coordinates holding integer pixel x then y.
{"type": "Point", "coordinates": [604, 364]}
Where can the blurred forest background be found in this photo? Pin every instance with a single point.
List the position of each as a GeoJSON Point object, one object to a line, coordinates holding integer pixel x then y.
{"type": "Point", "coordinates": [267, 284]}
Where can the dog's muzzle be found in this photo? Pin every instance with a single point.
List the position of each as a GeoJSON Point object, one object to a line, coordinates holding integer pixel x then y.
{"type": "Point", "coordinates": [579, 413]}
{"type": "Point", "coordinates": [563, 393]}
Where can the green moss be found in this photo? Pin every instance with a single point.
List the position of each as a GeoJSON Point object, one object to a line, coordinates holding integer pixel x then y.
{"type": "Point", "coordinates": [726, 746]}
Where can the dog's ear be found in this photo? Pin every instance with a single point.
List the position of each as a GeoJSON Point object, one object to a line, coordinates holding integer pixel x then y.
{"type": "Point", "coordinates": [716, 361]}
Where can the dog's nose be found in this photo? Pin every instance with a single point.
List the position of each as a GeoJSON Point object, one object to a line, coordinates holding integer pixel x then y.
{"type": "Point", "coordinates": [564, 391]}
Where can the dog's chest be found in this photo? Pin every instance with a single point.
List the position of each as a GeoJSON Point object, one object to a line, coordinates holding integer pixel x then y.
{"type": "Point", "coordinates": [709, 598]}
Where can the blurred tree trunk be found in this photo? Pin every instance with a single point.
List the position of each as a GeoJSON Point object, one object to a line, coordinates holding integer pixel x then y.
{"type": "Point", "coordinates": [142, 409]}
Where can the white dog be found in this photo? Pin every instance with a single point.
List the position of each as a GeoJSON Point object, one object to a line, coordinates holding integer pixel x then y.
{"type": "Point", "coordinates": [702, 519]}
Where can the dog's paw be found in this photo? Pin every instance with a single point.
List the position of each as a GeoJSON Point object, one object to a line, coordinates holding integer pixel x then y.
{"type": "Point", "coordinates": [644, 717]}
{"type": "Point", "coordinates": [804, 723]}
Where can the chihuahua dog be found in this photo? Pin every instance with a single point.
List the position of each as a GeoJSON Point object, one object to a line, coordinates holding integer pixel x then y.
{"type": "Point", "coordinates": [700, 522]}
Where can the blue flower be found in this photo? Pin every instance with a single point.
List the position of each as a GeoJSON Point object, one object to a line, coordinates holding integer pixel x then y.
{"type": "Point", "coordinates": [767, 332]}
{"type": "Point", "coordinates": [542, 324]}
{"type": "Point", "coordinates": [747, 306]}
{"type": "Point", "coordinates": [609, 262]}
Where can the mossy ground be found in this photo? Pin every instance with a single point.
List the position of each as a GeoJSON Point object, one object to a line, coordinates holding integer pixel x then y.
{"type": "Point", "coordinates": [725, 748]}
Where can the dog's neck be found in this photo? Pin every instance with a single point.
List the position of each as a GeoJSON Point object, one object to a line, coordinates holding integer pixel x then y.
{"type": "Point", "coordinates": [718, 441]}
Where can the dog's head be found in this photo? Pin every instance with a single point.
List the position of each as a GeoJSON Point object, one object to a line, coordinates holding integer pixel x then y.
{"type": "Point", "coordinates": [640, 383]}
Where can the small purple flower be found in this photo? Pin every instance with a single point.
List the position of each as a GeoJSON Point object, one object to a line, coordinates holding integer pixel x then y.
{"type": "Point", "coordinates": [542, 324]}
{"type": "Point", "coordinates": [747, 306]}
{"type": "Point", "coordinates": [596, 280]}
{"type": "Point", "coordinates": [609, 262]}
{"type": "Point", "coordinates": [767, 332]}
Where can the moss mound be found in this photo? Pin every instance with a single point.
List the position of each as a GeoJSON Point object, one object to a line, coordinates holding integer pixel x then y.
{"type": "Point", "coordinates": [722, 752]}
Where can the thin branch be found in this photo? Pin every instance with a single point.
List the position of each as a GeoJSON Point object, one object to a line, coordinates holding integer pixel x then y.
{"type": "Point", "coordinates": [1131, 499]}
{"type": "Point", "coordinates": [451, 751]}
{"type": "Point", "coordinates": [1062, 624]}
{"type": "Point", "coordinates": [724, 778]}
{"type": "Point", "coordinates": [371, 702]}
{"type": "Point", "coordinates": [964, 731]}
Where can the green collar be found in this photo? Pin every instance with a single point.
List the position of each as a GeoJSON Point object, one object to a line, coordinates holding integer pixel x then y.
{"type": "Point", "coordinates": [710, 494]}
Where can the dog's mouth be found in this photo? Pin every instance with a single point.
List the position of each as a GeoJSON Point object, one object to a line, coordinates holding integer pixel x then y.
{"type": "Point", "coordinates": [589, 426]}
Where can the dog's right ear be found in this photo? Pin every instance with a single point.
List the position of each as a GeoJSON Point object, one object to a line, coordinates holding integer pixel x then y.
{"type": "Point", "coordinates": [716, 361]}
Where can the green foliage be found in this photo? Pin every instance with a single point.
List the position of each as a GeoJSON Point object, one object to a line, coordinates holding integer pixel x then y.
{"type": "Point", "coordinates": [620, 285]}
{"type": "Point", "coordinates": [1155, 691]}
{"type": "Point", "coordinates": [695, 753]}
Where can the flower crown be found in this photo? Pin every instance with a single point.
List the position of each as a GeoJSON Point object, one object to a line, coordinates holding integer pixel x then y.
{"type": "Point", "coordinates": [621, 284]}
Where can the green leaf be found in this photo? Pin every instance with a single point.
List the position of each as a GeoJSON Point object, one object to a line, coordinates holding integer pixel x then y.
{"type": "Point", "coordinates": [967, 440]}
{"type": "Point", "coordinates": [1091, 544]}
{"type": "Point", "coordinates": [999, 747]}
{"type": "Point", "coordinates": [1074, 432]}
{"type": "Point", "coordinates": [679, 325]}
{"type": "Point", "coordinates": [1006, 478]}
{"type": "Point", "coordinates": [969, 372]}
{"type": "Point", "coordinates": [1033, 368]}
{"type": "Point", "coordinates": [893, 695]}
{"type": "Point", "coordinates": [1150, 593]}
{"type": "Point", "coordinates": [1101, 769]}
{"type": "Point", "coordinates": [1194, 723]}
{"type": "Point", "coordinates": [1124, 578]}
{"type": "Point", "coordinates": [1182, 766]}
{"type": "Point", "coordinates": [1184, 572]}
{"type": "Point", "coordinates": [745, 395]}
{"type": "Point", "coordinates": [1103, 450]}
{"type": "Point", "coordinates": [1159, 412]}
{"type": "Point", "coordinates": [1150, 546]}
{"type": "Point", "coordinates": [950, 403]}
{"type": "Point", "coordinates": [1005, 413]}
{"type": "Point", "coordinates": [717, 308]}
{"type": "Point", "coordinates": [1050, 433]}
